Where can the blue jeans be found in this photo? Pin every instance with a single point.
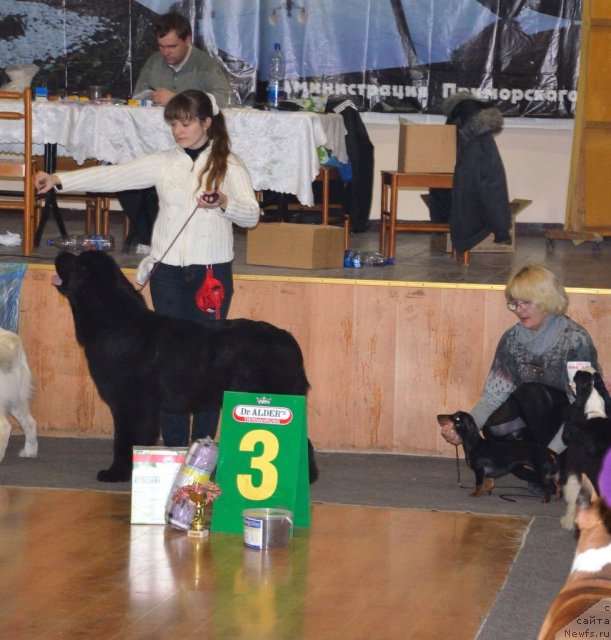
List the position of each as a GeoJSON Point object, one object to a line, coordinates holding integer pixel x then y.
{"type": "Point", "coordinates": [173, 292]}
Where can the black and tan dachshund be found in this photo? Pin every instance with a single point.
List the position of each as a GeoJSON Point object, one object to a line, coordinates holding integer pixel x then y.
{"type": "Point", "coordinates": [490, 460]}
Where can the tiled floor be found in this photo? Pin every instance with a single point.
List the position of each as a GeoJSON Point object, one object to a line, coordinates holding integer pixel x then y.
{"type": "Point", "coordinates": [586, 265]}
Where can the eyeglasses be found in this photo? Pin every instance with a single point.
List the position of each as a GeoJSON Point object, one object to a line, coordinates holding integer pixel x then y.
{"type": "Point", "coordinates": [514, 305]}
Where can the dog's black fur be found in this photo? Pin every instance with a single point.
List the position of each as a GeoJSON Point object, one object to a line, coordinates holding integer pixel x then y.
{"type": "Point", "coordinates": [587, 435]}
{"type": "Point", "coordinates": [143, 363]}
{"type": "Point", "coordinates": [541, 409]}
{"type": "Point", "coordinates": [490, 460]}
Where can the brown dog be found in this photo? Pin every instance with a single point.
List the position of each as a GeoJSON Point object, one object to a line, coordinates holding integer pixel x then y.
{"type": "Point", "coordinates": [590, 579]}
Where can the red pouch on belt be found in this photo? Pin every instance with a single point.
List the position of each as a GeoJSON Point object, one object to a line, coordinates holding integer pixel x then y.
{"type": "Point", "coordinates": [210, 295]}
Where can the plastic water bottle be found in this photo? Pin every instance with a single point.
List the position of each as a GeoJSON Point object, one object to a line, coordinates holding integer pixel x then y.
{"type": "Point", "coordinates": [198, 467]}
{"type": "Point", "coordinates": [348, 253]}
{"type": "Point", "coordinates": [81, 242]}
{"type": "Point", "coordinates": [275, 87]}
{"type": "Point", "coordinates": [372, 259]}
{"type": "Point", "coordinates": [357, 259]}
{"type": "Point", "coordinates": [352, 259]}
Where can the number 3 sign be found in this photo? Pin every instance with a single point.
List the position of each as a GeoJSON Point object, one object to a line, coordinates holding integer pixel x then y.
{"type": "Point", "coordinates": [263, 458]}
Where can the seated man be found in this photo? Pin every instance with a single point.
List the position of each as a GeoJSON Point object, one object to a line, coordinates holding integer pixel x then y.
{"type": "Point", "coordinates": [176, 67]}
{"type": "Point", "coordinates": [179, 66]}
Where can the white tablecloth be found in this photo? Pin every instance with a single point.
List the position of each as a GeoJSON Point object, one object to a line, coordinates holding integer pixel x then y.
{"type": "Point", "coordinates": [279, 148]}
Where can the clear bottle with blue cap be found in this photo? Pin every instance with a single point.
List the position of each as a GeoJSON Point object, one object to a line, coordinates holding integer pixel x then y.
{"type": "Point", "coordinates": [76, 243]}
{"type": "Point", "coordinates": [275, 86]}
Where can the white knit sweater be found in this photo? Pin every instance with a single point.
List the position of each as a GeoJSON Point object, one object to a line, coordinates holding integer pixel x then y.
{"type": "Point", "coordinates": [208, 238]}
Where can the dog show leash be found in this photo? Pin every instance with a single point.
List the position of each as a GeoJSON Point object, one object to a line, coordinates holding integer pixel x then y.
{"type": "Point", "coordinates": [508, 497]}
{"type": "Point", "coordinates": [210, 295]}
{"type": "Point", "coordinates": [165, 253]}
{"type": "Point", "coordinates": [457, 466]}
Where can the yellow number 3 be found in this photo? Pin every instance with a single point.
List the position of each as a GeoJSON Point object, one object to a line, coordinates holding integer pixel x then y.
{"type": "Point", "coordinates": [269, 473]}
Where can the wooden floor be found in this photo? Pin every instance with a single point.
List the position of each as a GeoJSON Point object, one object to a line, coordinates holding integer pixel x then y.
{"type": "Point", "coordinates": [73, 567]}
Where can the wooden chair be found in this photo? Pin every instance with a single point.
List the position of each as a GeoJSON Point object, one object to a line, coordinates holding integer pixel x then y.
{"type": "Point", "coordinates": [106, 211]}
{"type": "Point", "coordinates": [95, 203]}
{"type": "Point", "coordinates": [18, 107]}
{"type": "Point", "coordinates": [325, 176]}
{"type": "Point", "coordinates": [390, 225]}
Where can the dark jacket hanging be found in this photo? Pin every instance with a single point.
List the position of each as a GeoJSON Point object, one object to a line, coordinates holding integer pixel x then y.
{"type": "Point", "coordinates": [360, 154]}
{"type": "Point", "coordinates": [479, 196]}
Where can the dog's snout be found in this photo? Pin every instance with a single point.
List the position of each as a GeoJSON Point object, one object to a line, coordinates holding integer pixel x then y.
{"type": "Point", "coordinates": [443, 419]}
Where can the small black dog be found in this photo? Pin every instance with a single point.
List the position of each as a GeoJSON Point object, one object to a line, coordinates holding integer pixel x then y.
{"type": "Point", "coordinates": [490, 460]}
{"type": "Point", "coordinates": [587, 435]}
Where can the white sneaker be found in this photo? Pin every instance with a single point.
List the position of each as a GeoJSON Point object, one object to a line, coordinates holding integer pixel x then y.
{"type": "Point", "coordinates": [143, 249]}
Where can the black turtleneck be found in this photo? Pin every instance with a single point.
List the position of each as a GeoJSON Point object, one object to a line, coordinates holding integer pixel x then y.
{"type": "Point", "coordinates": [194, 153]}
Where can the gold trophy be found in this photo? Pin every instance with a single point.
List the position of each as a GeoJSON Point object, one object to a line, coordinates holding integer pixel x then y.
{"type": "Point", "coordinates": [198, 525]}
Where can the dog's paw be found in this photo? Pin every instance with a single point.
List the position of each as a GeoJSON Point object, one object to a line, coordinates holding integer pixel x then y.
{"type": "Point", "coordinates": [114, 475]}
{"type": "Point", "coordinates": [29, 451]}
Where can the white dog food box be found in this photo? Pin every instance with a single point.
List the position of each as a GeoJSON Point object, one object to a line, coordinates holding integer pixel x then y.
{"type": "Point", "coordinates": [155, 469]}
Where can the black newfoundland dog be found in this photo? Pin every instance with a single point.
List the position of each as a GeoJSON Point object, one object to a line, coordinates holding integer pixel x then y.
{"type": "Point", "coordinates": [143, 363]}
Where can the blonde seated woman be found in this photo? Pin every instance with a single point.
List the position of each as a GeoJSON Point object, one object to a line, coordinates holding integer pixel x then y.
{"type": "Point", "coordinates": [528, 390]}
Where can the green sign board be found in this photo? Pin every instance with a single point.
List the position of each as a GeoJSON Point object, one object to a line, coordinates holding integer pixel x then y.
{"type": "Point", "coordinates": [263, 458]}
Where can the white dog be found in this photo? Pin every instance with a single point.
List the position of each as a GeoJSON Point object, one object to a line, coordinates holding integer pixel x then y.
{"type": "Point", "coordinates": [15, 392]}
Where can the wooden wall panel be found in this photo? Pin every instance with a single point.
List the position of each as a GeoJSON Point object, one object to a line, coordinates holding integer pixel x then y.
{"type": "Point", "coordinates": [601, 9]}
{"type": "Point", "coordinates": [382, 358]}
{"type": "Point", "coordinates": [587, 215]}
{"type": "Point", "coordinates": [329, 355]}
{"type": "Point", "coordinates": [597, 148]}
{"type": "Point", "coordinates": [374, 362]}
{"type": "Point", "coordinates": [598, 97]}
{"type": "Point", "coordinates": [65, 399]}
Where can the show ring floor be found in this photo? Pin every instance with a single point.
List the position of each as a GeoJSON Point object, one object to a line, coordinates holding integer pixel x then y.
{"type": "Point", "coordinates": [358, 572]}
{"type": "Point", "coordinates": [64, 579]}
{"type": "Point", "coordinates": [395, 551]}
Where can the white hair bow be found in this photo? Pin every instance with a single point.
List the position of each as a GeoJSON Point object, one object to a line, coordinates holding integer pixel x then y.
{"type": "Point", "coordinates": [215, 107]}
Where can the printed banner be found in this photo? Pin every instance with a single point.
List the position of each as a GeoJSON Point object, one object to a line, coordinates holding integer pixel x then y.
{"type": "Point", "coordinates": [384, 55]}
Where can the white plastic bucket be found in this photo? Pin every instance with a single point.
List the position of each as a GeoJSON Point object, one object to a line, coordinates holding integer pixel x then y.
{"type": "Point", "coordinates": [267, 528]}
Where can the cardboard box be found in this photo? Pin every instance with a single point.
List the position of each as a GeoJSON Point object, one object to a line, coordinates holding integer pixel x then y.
{"type": "Point", "coordinates": [155, 470]}
{"type": "Point", "coordinates": [487, 245]}
{"type": "Point", "coordinates": [426, 148]}
{"type": "Point", "coordinates": [298, 246]}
